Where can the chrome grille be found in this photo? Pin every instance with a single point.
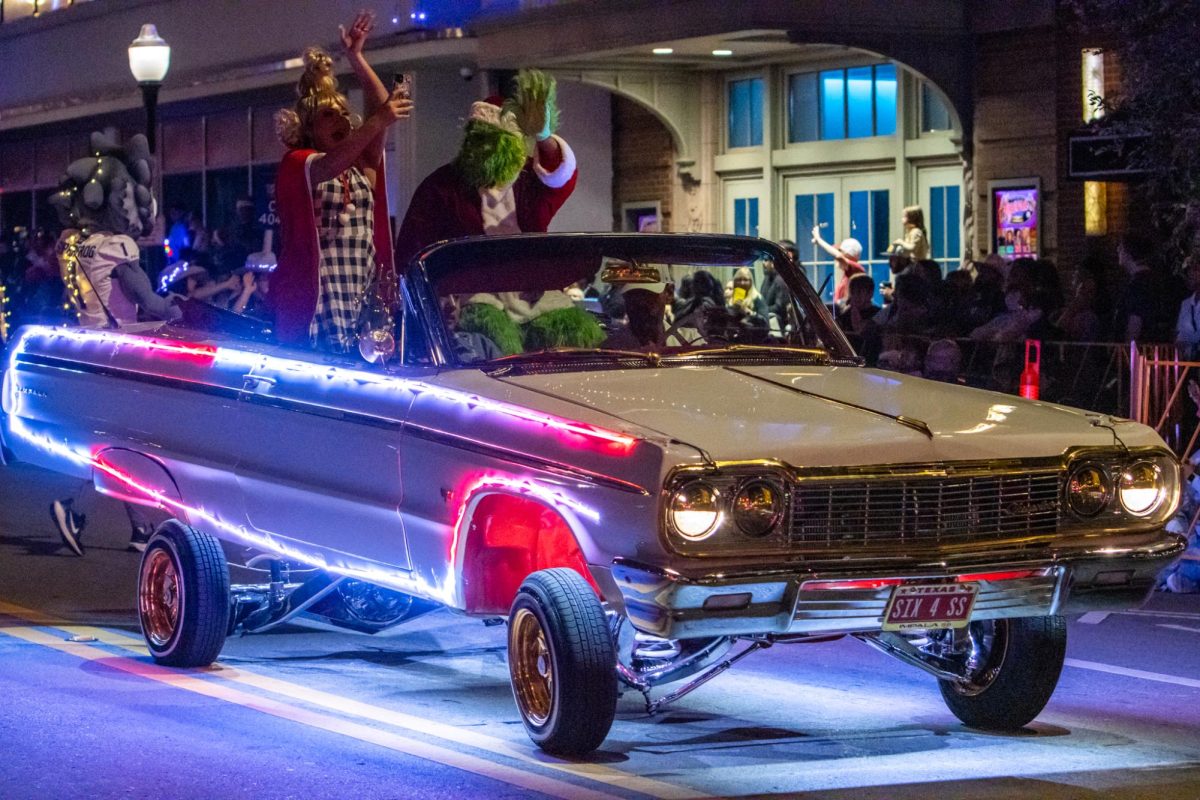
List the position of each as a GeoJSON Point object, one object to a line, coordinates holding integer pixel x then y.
{"type": "Point", "coordinates": [923, 512]}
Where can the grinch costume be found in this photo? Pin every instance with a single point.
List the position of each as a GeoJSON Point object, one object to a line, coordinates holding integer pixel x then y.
{"type": "Point", "coordinates": [493, 188]}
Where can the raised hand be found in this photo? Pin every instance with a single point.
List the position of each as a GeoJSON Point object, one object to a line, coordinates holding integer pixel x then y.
{"type": "Point", "coordinates": [355, 36]}
{"type": "Point", "coordinates": [535, 107]}
{"type": "Point", "coordinates": [396, 108]}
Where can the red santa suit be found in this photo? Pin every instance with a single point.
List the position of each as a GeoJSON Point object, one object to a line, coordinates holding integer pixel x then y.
{"type": "Point", "coordinates": [296, 281]}
{"type": "Point", "coordinates": [445, 206]}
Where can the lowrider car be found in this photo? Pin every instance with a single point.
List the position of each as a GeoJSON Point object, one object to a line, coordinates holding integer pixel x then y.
{"type": "Point", "coordinates": [645, 497]}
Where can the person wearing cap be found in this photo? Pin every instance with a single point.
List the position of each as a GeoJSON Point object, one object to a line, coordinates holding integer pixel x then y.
{"type": "Point", "coordinates": [846, 256]}
{"type": "Point", "coordinates": [645, 304]}
{"type": "Point", "coordinates": [335, 241]}
{"type": "Point", "coordinates": [491, 187]}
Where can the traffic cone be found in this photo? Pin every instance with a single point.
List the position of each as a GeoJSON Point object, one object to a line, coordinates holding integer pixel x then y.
{"type": "Point", "coordinates": [1031, 375]}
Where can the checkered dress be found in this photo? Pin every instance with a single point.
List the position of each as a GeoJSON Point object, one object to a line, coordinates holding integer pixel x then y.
{"type": "Point", "coordinates": [347, 259]}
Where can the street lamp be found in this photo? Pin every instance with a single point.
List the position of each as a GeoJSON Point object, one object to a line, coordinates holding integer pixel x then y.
{"type": "Point", "coordinates": [149, 59]}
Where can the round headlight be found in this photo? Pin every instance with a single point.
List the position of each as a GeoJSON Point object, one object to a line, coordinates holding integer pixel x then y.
{"type": "Point", "coordinates": [1088, 490]}
{"type": "Point", "coordinates": [695, 510]}
{"type": "Point", "coordinates": [757, 507]}
{"type": "Point", "coordinates": [1142, 488]}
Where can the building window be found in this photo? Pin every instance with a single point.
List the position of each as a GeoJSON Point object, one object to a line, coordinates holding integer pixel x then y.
{"type": "Point", "coordinates": [11, 10]}
{"type": "Point", "coordinates": [842, 103]}
{"type": "Point", "coordinates": [1093, 84]}
{"type": "Point", "coordinates": [945, 215]}
{"type": "Point", "coordinates": [746, 112]}
{"type": "Point", "coordinates": [935, 116]}
{"type": "Point", "coordinates": [745, 216]}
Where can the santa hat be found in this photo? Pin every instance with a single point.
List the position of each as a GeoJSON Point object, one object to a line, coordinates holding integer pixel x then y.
{"type": "Point", "coordinates": [489, 112]}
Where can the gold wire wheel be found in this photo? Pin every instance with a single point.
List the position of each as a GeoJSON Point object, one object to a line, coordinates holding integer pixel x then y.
{"type": "Point", "coordinates": [532, 667]}
{"type": "Point", "coordinates": [158, 597]}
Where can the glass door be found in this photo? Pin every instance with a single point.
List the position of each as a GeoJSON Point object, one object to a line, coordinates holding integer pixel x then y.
{"type": "Point", "coordinates": [855, 206]}
{"type": "Point", "coordinates": [743, 199]}
{"type": "Point", "coordinates": [813, 202]}
{"type": "Point", "coordinates": [941, 196]}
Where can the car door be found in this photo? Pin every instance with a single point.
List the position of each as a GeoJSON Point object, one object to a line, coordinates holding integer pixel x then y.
{"type": "Point", "coordinates": [320, 457]}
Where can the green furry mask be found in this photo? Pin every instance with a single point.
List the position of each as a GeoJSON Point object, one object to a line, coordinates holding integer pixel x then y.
{"type": "Point", "coordinates": [489, 156]}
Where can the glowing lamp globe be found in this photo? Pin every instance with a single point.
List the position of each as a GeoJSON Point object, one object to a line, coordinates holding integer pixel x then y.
{"type": "Point", "coordinates": [149, 56]}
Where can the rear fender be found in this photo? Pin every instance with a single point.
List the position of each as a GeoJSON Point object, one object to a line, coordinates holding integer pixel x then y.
{"type": "Point", "coordinates": [133, 477]}
{"type": "Point", "coordinates": [504, 537]}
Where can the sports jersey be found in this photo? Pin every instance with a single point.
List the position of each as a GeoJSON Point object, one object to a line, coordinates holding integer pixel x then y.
{"type": "Point", "coordinates": [99, 255]}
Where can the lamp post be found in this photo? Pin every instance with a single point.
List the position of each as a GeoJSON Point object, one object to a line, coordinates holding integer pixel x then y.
{"type": "Point", "coordinates": [149, 59]}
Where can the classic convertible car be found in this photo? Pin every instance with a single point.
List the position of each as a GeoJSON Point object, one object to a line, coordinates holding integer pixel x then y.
{"type": "Point", "coordinates": [646, 494]}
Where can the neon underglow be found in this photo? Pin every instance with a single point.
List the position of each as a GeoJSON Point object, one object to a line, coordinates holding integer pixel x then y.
{"type": "Point", "coordinates": [231, 357]}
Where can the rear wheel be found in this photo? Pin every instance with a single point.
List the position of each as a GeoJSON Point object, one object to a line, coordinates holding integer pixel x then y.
{"type": "Point", "coordinates": [183, 596]}
{"type": "Point", "coordinates": [561, 662]}
{"type": "Point", "coordinates": [1013, 668]}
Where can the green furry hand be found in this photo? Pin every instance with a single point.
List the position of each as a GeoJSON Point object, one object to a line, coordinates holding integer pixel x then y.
{"type": "Point", "coordinates": [534, 106]}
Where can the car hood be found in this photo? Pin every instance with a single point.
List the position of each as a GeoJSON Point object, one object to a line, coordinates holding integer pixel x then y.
{"type": "Point", "coordinates": [830, 416]}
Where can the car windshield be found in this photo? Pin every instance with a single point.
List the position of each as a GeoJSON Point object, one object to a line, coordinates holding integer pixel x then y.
{"type": "Point", "coordinates": [512, 299]}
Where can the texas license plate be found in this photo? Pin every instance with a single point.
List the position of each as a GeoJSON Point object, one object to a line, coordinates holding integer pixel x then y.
{"type": "Point", "coordinates": [933, 605]}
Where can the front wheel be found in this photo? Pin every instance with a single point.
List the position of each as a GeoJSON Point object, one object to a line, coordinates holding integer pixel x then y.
{"type": "Point", "coordinates": [561, 663]}
{"type": "Point", "coordinates": [183, 596]}
{"type": "Point", "coordinates": [1014, 666]}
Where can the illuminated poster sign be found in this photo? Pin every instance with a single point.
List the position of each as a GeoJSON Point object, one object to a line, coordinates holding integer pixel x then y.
{"type": "Point", "coordinates": [1016, 218]}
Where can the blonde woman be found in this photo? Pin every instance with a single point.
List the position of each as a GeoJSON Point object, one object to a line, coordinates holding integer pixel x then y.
{"type": "Point", "coordinates": [915, 243]}
{"type": "Point", "coordinates": [332, 204]}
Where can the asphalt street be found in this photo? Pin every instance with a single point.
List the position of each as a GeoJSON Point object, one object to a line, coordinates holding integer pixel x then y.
{"type": "Point", "coordinates": [429, 714]}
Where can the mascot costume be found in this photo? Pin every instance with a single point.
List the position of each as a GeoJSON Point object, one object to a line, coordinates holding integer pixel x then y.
{"type": "Point", "coordinates": [104, 201]}
{"type": "Point", "coordinates": [493, 187]}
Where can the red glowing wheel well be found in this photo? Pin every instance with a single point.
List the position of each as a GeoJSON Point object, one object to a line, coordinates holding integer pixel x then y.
{"type": "Point", "coordinates": [508, 538]}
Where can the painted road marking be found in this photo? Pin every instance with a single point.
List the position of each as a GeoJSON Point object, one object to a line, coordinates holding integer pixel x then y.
{"type": "Point", "coordinates": [188, 681]}
{"type": "Point", "coordinates": [1163, 614]}
{"type": "Point", "coordinates": [599, 773]}
{"type": "Point", "coordinates": [1179, 628]}
{"type": "Point", "coordinates": [1158, 677]}
{"type": "Point", "coordinates": [1094, 617]}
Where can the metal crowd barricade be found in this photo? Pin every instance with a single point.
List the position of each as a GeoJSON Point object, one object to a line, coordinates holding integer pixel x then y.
{"type": "Point", "coordinates": [1088, 375]}
{"type": "Point", "coordinates": [1158, 376]}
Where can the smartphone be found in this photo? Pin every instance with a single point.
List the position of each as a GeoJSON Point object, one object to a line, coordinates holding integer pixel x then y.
{"type": "Point", "coordinates": [403, 82]}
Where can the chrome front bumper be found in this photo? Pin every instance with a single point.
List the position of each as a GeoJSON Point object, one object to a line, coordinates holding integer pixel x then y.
{"type": "Point", "coordinates": [1092, 578]}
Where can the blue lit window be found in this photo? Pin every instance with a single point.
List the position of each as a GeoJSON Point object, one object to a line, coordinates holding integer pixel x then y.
{"type": "Point", "coordinates": [934, 114]}
{"type": "Point", "coordinates": [885, 99]}
{"type": "Point", "coordinates": [804, 117]}
{"type": "Point", "coordinates": [842, 103]}
{"type": "Point", "coordinates": [833, 104]}
{"type": "Point", "coordinates": [745, 216]}
{"type": "Point", "coordinates": [945, 223]}
{"type": "Point", "coordinates": [746, 113]}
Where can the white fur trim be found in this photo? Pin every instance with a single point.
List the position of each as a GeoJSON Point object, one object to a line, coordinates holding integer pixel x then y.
{"type": "Point", "coordinates": [308, 169]}
{"type": "Point", "coordinates": [485, 112]}
{"type": "Point", "coordinates": [559, 177]}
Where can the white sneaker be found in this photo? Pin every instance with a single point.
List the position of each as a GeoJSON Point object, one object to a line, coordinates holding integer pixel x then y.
{"type": "Point", "coordinates": [139, 539]}
{"type": "Point", "coordinates": [69, 525]}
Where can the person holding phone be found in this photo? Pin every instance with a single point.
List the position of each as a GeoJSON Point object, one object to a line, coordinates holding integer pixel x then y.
{"type": "Point", "coordinates": [335, 240]}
